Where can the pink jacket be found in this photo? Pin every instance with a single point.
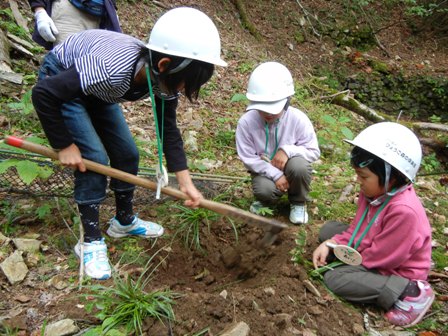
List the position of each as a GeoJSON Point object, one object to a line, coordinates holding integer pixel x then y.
{"type": "Point", "coordinates": [399, 241]}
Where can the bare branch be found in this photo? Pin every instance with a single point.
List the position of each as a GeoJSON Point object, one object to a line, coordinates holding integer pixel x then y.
{"type": "Point", "coordinates": [350, 103]}
{"type": "Point", "coordinates": [344, 99]}
{"type": "Point", "coordinates": [430, 126]}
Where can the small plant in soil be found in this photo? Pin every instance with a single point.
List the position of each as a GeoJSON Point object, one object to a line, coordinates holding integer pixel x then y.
{"type": "Point", "coordinates": [7, 331]}
{"type": "Point", "coordinates": [318, 273]}
{"type": "Point", "coordinates": [132, 251]}
{"type": "Point", "coordinates": [191, 222]}
{"type": "Point", "coordinates": [265, 211]}
{"type": "Point", "coordinates": [8, 212]}
{"type": "Point", "coordinates": [299, 257]}
{"type": "Point", "coordinates": [127, 303]}
{"type": "Point", "coordinates": [298, 252]}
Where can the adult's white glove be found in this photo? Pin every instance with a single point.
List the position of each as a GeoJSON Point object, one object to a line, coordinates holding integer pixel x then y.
{"type": "Point", "coordinates": [45, 26]}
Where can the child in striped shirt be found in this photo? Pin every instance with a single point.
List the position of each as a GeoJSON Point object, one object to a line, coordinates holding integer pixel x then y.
{"type": "Point", "coordinates": [81, 82]}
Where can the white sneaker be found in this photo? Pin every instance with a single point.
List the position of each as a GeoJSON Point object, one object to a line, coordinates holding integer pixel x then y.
{"type": "Point", "coordinates": [138, 227]}
{"type": "Point", "coordinates": [96, 263]}
{"type": "Point", "coordinates": [298, 214]}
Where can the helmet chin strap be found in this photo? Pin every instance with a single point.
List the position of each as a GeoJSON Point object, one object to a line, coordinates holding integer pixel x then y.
{"type": "Point", "coordinates": [288, 102]}
{"type": "Point", "coordinates": [156, 77]}
{"type": "Point", "coordinates": [154, 72]}
{"type": "Point", "coordinates": [387, 170]}
{"type": "Point", "coordinates": [180, 67]}
{"type": "Point", "coordinates": [392, 192]}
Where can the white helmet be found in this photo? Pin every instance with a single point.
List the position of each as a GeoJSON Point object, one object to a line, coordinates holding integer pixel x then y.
{"type": "Point", "coordinates": [394, 143]}
{"type": "Point", "coordinates": [187, 32]}
{"type": "Point", "coordinates": [270, 86]}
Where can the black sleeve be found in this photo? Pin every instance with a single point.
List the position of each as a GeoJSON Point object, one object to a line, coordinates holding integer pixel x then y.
{"type": "Point", "coordinates": [48, 96]}
{"type": "Point", "coordinates": [173, 146]}
{"type": "Point", "coordinates": [38, 3]}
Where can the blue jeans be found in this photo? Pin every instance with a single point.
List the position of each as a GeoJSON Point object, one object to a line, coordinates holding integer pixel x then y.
{"type": "Point", "coordinates": [100, 131]}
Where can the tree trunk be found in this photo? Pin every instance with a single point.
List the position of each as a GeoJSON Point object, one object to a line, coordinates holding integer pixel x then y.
{"type": "Point", "coordinates": [350, 103]}
{"type": "Point", "coordinates": [245, 20]}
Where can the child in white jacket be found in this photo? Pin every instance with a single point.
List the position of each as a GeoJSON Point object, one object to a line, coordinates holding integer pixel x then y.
{"type": "Point", "coordinates": [276, 142]}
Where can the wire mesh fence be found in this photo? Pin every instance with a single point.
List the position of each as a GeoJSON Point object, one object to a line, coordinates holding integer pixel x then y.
{"type": "Point", "coordinates": [60, 182]}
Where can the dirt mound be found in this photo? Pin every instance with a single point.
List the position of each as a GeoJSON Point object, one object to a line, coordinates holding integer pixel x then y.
{"type": "Point", "coordinates": [241, 281]}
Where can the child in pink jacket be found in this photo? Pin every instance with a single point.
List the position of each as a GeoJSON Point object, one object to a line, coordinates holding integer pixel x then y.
{"type": "Point", "coordinates": [390, 231]}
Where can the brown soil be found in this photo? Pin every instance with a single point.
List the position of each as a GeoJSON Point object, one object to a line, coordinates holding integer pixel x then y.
{"type": "Point", "coordinates": [264, 287]}
{"type": "Point", "coordinates": [228, 280]}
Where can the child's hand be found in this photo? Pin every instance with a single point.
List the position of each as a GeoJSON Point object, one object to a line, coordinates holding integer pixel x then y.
{"type": "Point", "coordinates": [282, 184]}
{"type": "Point", "coordinates": [320, 254]}
{"type": "Point", "coordinates": [71, 156]}
{"type": "Point", "coordinates": [194, 194]}
{"type": "Point", "coordinates": [279, 160]}
{"type": "Point", "coordinates": [186, 186]}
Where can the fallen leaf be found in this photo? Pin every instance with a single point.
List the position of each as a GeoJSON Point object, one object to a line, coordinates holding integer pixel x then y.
{"type": "Point", "coordinates": [22, 298]}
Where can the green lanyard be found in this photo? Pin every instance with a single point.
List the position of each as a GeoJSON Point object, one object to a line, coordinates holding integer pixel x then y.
{"type": "Point", "coordinates": [267, 139]}
{"type": "Point", "coordinates": [368, 226]}
{"type": "Point", "coordinates": [153, 101]}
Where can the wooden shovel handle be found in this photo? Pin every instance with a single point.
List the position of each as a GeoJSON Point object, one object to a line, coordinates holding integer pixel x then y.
{"type": "Point", "coordinates": [267, 224]}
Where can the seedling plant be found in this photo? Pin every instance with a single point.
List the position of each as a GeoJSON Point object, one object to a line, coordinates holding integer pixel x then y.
{"type": "Point", "coordinates": [191, 222]}
{"type": "Point", "coordinates": [127, 303]}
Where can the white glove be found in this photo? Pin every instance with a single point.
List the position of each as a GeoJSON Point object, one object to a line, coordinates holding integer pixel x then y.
{"type": "Point", "coordinates": [45, 26]}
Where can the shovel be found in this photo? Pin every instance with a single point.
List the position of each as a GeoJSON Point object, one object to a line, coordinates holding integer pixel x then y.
{"type": "Point", "coordinates": [271, 227]}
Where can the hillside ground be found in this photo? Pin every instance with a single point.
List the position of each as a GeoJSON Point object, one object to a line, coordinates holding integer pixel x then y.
{"type": "Point", "coordinates": [230, 278]}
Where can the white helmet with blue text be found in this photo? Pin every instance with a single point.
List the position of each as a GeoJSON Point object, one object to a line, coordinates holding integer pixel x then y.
{"type": "Point", "coordinates": [393, 143]}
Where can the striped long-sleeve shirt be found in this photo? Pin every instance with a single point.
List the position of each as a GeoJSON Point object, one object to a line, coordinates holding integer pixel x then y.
{"type": "Point", "coordinates": [105, 62]}
{"type": "Point", "coordinates": [99, 66]}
